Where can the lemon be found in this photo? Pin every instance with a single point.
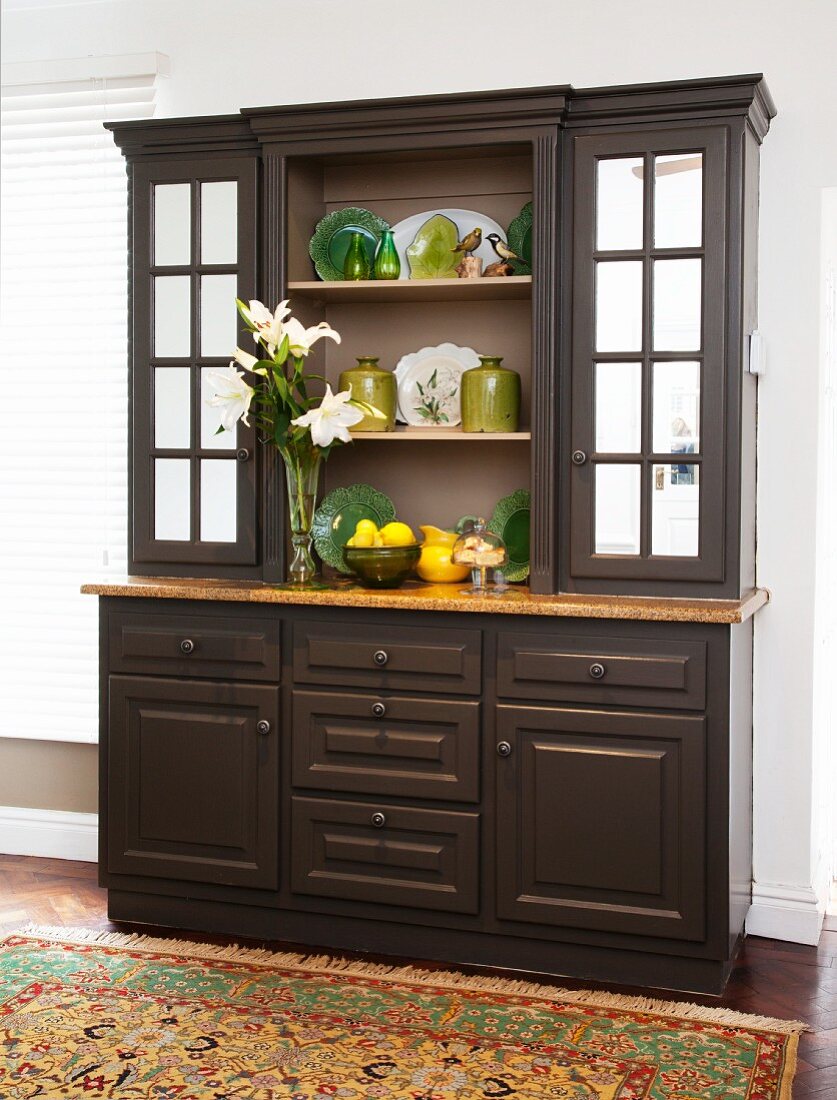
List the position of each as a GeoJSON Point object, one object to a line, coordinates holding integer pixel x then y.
{"type": "Point", "coordinates": [397, 534]}
{"type": "Point", "coordinates": [378, 540]}
{"type": "Point", "coordinates": [351, 541]}
{"type": "Point", "coordinates": [363, 538]}
{"type": "Point", "coordinates": [366, 527]}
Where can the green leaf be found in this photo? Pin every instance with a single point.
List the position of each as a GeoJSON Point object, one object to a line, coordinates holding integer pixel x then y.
{"type": "Point", "coordinates": [282, 350]}
{"type": "Point", "coordinates": [220, 429]}
{"type": "Point", "coordinates": [431, 254]}
{"type": "Point", "coordinates": [241, 307]}
{"type": "Point", "coordinates": [280, 429]}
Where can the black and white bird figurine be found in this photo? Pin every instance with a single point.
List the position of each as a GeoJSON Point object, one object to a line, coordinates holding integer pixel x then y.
{"type": "Point", "coordinates": [470, 243]}
{"type": "Point", "coordinates": [501, 248]}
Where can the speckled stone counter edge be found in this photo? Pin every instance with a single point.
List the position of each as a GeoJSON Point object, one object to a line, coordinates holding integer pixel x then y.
{"type": "Point", "coordinates": [440, 597]}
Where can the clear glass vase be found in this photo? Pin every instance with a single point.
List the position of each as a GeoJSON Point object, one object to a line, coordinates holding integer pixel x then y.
{"type": "Point", "coordinates": [302, 467]}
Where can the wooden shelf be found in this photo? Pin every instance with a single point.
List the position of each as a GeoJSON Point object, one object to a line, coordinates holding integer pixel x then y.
{"type": "Point", "coordinates": [510, 288]}
{"type": "Point", "coordinates": [405, 433]}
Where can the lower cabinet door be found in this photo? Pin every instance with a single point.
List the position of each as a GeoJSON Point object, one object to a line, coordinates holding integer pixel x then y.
{"type": "Point", "coordinates": [385, 854]}
{"type": "Point", "coordinates": [193, 781]}
{"type": "Point", "coordinates": [601, 820]}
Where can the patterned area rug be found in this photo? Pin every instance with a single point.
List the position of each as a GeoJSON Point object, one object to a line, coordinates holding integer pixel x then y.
{"type": "Point", "coordinates": [101, 1015]}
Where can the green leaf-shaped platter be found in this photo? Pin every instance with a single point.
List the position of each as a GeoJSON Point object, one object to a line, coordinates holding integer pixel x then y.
{"type": "Point", "coordinates": [520, 240]}
{"type": "Point", "coordinates": [431, 254]}
{"type": "Point", "coordinates": [333, 235]}
{"type": "Point", "coordinates": [338, 515]}
{"type": "Point", "coordinates": [511, 520]}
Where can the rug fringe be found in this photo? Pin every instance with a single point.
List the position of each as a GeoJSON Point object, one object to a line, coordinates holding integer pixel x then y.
{"type": "Point", "coordinates": [443, 979]}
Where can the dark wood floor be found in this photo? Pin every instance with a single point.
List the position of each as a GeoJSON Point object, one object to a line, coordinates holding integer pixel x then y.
{"type": "Point", "coordinates": [771, 978]}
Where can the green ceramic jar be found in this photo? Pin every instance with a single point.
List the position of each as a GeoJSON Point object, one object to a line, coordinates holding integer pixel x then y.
{"type": "Point", "coordinates": [375, 386]}
{"type": "Point", "coordinates": [490, 397]}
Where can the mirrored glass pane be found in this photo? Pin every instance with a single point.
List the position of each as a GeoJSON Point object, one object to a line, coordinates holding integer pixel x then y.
{"type": "Point", "coordinates": [619, 186]}
{"type": "Point", "coordinates": [678, 201]}
{"type": "Point", "coordinates": [218, 499]}
{"type": "Point", "coordinates": [619, 305]}
{"type": "Point", "coordinates": [172, 224]}
{"type": "Point", "coordinates": [171, 499]}
{"type": "Point", "coordinates": [618, 407]}
{"type": "Point", "coordinates": [675, 510]}
{"type": "Point", "coordinates": [677, 305]}
{"type": "Point", "coordinates": [172, 317]}
{"type": "Point", "coordinates": [172, 406]}
{"type": "Point", "coordinates": [211, 419]}
{"type": "Point", "coordinates": [219, 222]}
{"type": "Point", "coordinates": [617, 509]}
{"type": "Point", "coordinates": [676, 405]}
{"type": "Point", "coordinates": [219, 318]}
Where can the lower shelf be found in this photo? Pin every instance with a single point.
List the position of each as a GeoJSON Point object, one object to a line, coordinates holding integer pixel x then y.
{"type": "Point", "coordinates": [403, 432]}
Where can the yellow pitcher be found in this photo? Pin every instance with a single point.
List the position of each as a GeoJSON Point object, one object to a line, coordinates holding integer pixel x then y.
{"type": "Point", "coordinates": [435, 565]}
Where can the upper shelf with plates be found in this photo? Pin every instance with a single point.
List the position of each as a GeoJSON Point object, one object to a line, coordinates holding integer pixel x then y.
{"type": "Point", "coordinates": [509, 288]}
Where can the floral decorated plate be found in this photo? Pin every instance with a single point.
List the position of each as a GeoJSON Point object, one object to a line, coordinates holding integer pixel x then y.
{"type": "Point", "coordinates": [510, 520]}
{"type": "Point", "coordinates": [333, 235]}
{"type": "Point", "coordinates": [520, 240]}
{"type": "Point", "coordinates": [429, 385]}
{"type": "Point", "coordinates": [338, 515]}
{"type": "Point", "coordinates": [414, 232]}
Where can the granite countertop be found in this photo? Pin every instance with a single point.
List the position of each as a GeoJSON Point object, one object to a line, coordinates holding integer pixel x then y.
{"type": "Point", "coordinates": [415, 596]}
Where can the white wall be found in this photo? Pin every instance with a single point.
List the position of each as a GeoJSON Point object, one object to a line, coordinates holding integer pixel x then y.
{"type": "Point", "coordinates": [231, 53]}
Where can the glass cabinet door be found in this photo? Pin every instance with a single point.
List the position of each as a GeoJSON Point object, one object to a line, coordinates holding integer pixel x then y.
{"type": "Point", "coordinates": [194, 252]}
{"type": "Point", "coordinates": [648, 345]}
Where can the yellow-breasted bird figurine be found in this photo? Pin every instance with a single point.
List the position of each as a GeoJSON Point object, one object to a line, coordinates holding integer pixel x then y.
{"type": "Point", "coordinates": [471, 242]}
{"type": "Point", "coordinates": [501, 248]}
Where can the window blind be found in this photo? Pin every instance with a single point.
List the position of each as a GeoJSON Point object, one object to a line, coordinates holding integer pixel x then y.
{"type": "Point", "coordinates": [63, 390]}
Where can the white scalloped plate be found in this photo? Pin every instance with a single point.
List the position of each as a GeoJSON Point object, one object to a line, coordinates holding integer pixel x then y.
{"type": "Point", "coordinates": [429, 385]}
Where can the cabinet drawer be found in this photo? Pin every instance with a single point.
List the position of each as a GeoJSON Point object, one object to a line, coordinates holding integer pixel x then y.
{"type": "Point", "coordinates": [388, 745]}
{"type": "Point", "coordinates": [423, 859]}
{"type": "Point", "coordinates": [377, 656]}
{"type": "Point", "coordinates": [237, 648]}
{"type": "Point", "coordinates": [602, 670]}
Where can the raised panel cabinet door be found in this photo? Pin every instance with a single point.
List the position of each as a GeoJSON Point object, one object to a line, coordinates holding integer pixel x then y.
{"type": "Point", "coordinates": [193, 781]}
{"type": "Point", "coordinates": [601, 820]}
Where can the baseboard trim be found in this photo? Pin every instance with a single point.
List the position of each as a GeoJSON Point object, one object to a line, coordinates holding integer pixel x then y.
{"type": "Point", "coordinates": [56, 834]}
{"type": "Point", "coordinates": [787, 913]}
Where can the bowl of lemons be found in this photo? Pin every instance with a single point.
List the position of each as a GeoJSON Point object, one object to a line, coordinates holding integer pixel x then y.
{"type": "Point", "coordinates": [382, 558]}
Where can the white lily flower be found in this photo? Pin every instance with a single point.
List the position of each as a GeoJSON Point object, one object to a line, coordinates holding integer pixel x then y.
{"type": "Point", "coordinates": [302, 339]}
{"type": "Point", "coordinates": [269, 326]}
{"type": "Point", "coordinates": [231, 395]}
{"type": "Point", "coordinates": [246, 360]}
{"type": "Point", "coordinates": [331, 419]}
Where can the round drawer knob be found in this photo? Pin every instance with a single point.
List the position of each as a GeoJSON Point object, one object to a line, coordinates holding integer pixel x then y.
{"type": "Point", "coordinates": [597, 670]}
{"type": "Point", "coordinates": [579, 458]}
{"type": "Point", "coordinates": [504, 749]}
{"type": "Point", "coordinates": [380, 657]}
{"type": "Point", "coordinates": [379, 710]}
{"type": "Point", "coordinates": [378, 820]}
{"type": "Point", "coordinates": [187, 646]}
{"type": "Point", "coordinates": [263, 727]}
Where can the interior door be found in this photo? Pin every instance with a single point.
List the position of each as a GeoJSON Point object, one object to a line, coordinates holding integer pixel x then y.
{"type": "Point", "coordinates": [601, 819]}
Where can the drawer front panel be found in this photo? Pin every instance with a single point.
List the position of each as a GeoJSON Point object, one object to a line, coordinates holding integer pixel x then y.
{"type": "Point", "coordinates": [389, 745]}
{"type": "Point", "coordinates": [602, 670]}
{"type": "Point", "coordinates": [423, 859]}
{"type": "Point", "coordinates": [195, 645]}
{"type": "Point", "coordinates": [378, 656]}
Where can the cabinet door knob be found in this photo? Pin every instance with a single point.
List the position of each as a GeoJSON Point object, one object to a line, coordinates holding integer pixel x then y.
{"type": "Point", "coordinates": [379, 710]}
{"type": "Point", "coordinates": [263, 727]}
{"type": "Point", "coordinates": [504, 749]}
{"type": "Point", "coordinates": [242, 454]}
{"type": "Point", "coordinates": [597, 670]}
{"type": "Point", "coordinates": [378, 819]}
{"type": "Point", "coordinates": [187, 646]}
{"type": "Point", "coordinates": [380, 657]}
{"type": "Point", "coordinates": [579, 458]}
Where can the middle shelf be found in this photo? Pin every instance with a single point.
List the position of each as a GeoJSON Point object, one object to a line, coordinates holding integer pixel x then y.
{"type": "Point", "coordinates": [404, 432]}
{"type": "Point", "coordinates": [508, 288]}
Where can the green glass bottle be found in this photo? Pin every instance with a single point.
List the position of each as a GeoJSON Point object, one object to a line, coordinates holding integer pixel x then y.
{"type": "Point", "coordinates": [490, 397]}
{"type": "Point", "coordinates": [374, 385]}
{"type": "Point", "coordinates": [356, 264]}
{"type": "Point", "coordinates": [387, 262]}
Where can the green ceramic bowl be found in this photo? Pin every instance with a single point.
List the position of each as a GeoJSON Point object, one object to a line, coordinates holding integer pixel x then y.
{"type": "Point", "coordinates": [382, 566]}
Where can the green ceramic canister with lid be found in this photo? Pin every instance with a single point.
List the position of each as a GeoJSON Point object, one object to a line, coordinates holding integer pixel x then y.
{"type": "Point", "coordinates": [369, 382]}
{"type": "Point", "coordinates": [490, 397]}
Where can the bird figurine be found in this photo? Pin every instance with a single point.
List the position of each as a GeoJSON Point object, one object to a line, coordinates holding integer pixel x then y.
{"type": "Point", "coordinates": [471, 242]}
{"type": "Point", "coordinates": [501, 248]}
